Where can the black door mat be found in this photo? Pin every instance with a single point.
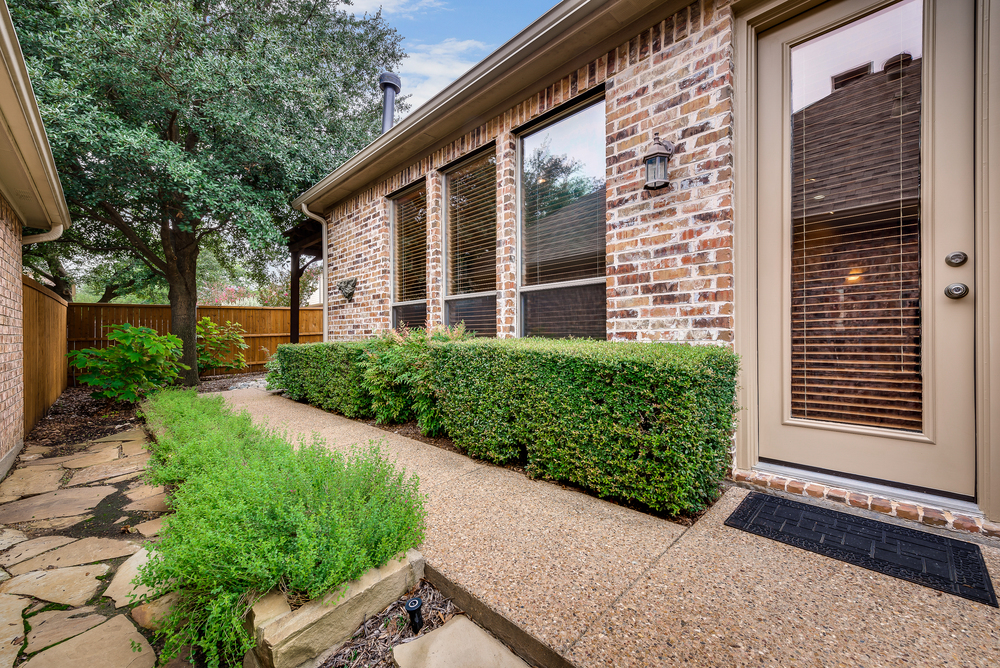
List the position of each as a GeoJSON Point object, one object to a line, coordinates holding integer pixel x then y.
{"type": "Point", "coordinates": [944, 564]}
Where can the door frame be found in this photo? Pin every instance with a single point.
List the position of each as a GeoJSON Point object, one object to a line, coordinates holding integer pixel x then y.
{"type": "Point", "coordinates": [752, 17]}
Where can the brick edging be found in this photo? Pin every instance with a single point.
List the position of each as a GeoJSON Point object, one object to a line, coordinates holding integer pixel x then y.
{"type": "Point", "coordinates": [935, 517]}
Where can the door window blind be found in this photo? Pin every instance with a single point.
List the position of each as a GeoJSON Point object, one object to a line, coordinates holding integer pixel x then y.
{"type": "Point", "coordinates": [410, 255]}
{"type": "Point", "coordinates": [855, 275]}
{"type": "Point", "coordinates": [563, 225]}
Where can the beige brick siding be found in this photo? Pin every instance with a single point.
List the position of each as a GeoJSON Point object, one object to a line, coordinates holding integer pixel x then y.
{"type": "Point", "coordinates": [11, 346]}
{"type": "Point", "coordinates": [669, 273]}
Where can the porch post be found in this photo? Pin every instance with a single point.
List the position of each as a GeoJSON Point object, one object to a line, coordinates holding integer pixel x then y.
{"type": "Point", "coordinates": [294, 297]}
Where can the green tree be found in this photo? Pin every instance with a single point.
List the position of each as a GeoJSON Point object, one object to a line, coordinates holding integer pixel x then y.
{"type": "Point", "coordinates": [176, 123]}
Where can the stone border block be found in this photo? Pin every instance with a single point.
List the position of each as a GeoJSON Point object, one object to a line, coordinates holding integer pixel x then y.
{"type": "Point", "coordinates": [296, 639]}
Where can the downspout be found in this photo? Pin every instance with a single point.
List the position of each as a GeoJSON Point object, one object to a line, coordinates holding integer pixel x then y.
{"type": "Point", "coordinates": [51, 235]}
{"type": "Point", "coordinates": [325, 287]}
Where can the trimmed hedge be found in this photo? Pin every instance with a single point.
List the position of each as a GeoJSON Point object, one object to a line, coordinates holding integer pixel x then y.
{"type": "Point", "coordinates": [650, 423]}
{"type": "Point", "coordinates": [646, 423]}
{"type": "Point", "coordinates": [328, 375]}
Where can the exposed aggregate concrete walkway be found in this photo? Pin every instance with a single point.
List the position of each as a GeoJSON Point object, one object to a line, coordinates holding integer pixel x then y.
{"type": "Point", "coordinates": [608, 586]}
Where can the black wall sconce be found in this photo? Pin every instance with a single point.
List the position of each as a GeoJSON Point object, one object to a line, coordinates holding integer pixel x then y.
{"type": "Point", "coordinates": [656, 159]}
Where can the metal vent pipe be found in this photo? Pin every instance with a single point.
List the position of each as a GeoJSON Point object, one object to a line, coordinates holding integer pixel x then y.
{"type": "Point", "coordinates": [390, 85]}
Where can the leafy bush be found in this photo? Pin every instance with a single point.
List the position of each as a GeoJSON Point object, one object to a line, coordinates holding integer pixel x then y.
{"type": "Point", "coordinates": [649, 423]}
{"type": "Point", "coordinates": [138, 361]}
{"type": "Point", "coordinates": [253, 513]}
{"type": "Point", "coordinates": [220, 346]}
{"type": "Point", "coordinates": [397, 370]}
{"type": "Point", "coordinates": [328, 375]}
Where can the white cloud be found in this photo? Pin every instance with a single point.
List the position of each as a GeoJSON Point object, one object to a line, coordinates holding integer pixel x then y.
{"type": "Point", "coordinates": [405, 7]}
{"type": "Point", "coordinates": [429, 68]}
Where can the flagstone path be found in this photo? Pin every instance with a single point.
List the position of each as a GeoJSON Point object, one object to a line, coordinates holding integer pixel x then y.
{"type": "Point", "coordinates": [72, 535]}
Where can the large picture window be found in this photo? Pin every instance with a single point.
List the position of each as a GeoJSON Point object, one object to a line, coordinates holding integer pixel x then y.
{"type": "Point", "coordinates": [471, 193]}
{"type": "Point", "coordinates": [563, 250]}
{"type": "Point", "coordinates": [409, 238]}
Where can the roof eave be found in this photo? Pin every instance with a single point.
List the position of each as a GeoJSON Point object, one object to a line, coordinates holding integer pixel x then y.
{"type": "Point", "coordinates": [570, 32]}
{"type": "Point", "coordinates": [35, 192]}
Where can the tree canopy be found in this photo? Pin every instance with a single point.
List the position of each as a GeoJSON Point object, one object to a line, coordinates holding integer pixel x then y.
{"type": "Point", "coordinates": [181, 123]}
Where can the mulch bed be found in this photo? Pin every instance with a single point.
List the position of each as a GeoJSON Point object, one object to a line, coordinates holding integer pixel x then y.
{"type": "Point", "coordinates": [371, 645]}
{"type": "Point", "coordinates": [411, 430]}
{"type": "Point", "coordinates": [76, 417]}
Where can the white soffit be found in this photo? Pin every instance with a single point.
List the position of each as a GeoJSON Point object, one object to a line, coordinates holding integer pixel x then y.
{"type": "Point", "coordinates": [565, 38]}
{"type": "Point", "coordinates": [28, 177]}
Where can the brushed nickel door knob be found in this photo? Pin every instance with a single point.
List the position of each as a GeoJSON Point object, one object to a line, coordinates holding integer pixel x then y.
{"type": "Point", "coordinates": [956, 291]}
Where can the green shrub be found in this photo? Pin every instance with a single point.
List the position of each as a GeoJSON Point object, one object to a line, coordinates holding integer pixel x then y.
{"type": "Point", "coordinates": [398, 376]}
{"type": "Point", "coordinates": [649, 423]}
{"type": "Point", "coordinates": [138, 361]}
{"type": "Point", "coordinates": [328, 375]}
{"type": "Point", "coordinates": [220, 346]}
{"type": "Point", "coordinates": [253, 513]}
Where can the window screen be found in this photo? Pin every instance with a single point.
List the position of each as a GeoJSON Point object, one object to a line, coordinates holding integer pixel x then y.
{"type": "Point", "coordinates": [472, 243]}
{"type": "Point", "coordinates": [563, 224]}
{"type": "Point", "coordinates": [410, 256]}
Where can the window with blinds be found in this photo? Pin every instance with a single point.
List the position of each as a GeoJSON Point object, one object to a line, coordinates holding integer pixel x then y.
{"type": "Point", "coordinates": [409, 222]}
{"type": "Point", "coordinates": [563, 226]}
{"type": "Point", "coordinates": [472, 241]}
{"type": "Point", "coordinates": [855, 275]}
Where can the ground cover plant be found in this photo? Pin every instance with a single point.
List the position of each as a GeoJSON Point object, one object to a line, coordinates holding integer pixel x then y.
{"type": "Point", "coordinates": [649, 424]}
{"type": "Point", "coordinates": [137, 361]}
{"type": "Point", "coordinates": [252, 512]}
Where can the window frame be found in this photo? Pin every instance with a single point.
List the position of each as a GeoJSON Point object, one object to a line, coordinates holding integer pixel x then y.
{"type": "Point", "coordinates": [573, 107]}
{"type": "Point", "coordinates": [446, 296]}
{"type": "Point", "coordinates": [393, 209]}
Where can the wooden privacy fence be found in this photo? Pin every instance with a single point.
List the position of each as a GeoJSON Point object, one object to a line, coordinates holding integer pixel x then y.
{"type": "Point", "coordinates": [87, 327]}
{"type": "Point", "coordinates": [45, 365]}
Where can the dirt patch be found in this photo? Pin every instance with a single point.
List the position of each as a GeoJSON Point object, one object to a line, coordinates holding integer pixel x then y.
{"type": "Point", "coordinates": [223, 383]}
{"type": "Point", "coordinates": [371, 645]}
{"type": "Point", "coordinates": [77, 417]}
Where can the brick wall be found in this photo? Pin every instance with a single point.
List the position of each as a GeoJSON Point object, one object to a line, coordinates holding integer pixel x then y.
{"type": "Point", "coordinates": [669, 253]}
{"type": "Point", "coordinates": [11, 348]}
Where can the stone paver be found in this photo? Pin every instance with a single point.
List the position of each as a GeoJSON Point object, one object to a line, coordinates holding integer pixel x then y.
{"type": "Point", "coordinates": [121, 590]}
{"type": "Point", "coordinates": [30, 481]}
{"type": "Point", "coordinates": [33, 547]}
{"type": "Point", "coordinates": [153, 504]}
{"type": "Point", "coordinates": [108, 646]}
{"type": "Point", "coordinates": [58, 523]}
{"type": "Point", "coordinates": [70, 586]}
{"type": "Point", "coordinates": [10, 537]}
{"type": "Point", "coordinates": [133, 448]}
{"type": "Point", "coordinates": [150, 528]}
{"type": "Point", "coordinates": [460, 643]}
{"type": "Point", "coordinates": [151, 615]}
{"type": "Point", "coordinates": [54, 461]}
{"type": "Point", "coordinates": [91, 458]}
{"type": "Point", "coordinates": [48, 628]}
{"type": "Point", "coordinates": [116, 468]}
{"type": "Point", "coordinates": [61, 503]}
{"type": "Point", "coordinates": [85, 551]}
{"type": "Point", "coordinates": [11, 627]}
{"type": "Point", "coordinates": [143, 492]}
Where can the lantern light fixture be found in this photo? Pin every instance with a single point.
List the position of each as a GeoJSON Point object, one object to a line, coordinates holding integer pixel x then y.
{"type": "Point", "coordinates": [656, 159]}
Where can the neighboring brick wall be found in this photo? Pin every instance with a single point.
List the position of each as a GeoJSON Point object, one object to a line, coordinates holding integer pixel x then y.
{"type": "Point", "coordinates": [11, 346]}
{"type": "Point", "coordinates": [669, 253]}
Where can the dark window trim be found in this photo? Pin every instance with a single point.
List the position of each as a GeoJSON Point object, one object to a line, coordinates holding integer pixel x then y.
{"type": "Point", "coordinates": [581, 100]}
{"type": "Point", "coordinates": [468, 157]}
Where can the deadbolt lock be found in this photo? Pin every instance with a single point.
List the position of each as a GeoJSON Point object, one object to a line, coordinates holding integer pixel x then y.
{"type": "Point", "coordinates": [956, 259]}
{"type": "Point", "coordinates": [956, 291]}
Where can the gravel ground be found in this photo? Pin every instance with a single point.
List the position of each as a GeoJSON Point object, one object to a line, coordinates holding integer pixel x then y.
{"type": "Point", "coordinates": [238, 381]}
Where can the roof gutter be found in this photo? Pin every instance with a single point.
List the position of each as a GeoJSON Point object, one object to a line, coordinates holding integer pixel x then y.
{"type": "Point", "coordinates": [572, 32]}
{"type": "Point", "coordinates": [51, 235]}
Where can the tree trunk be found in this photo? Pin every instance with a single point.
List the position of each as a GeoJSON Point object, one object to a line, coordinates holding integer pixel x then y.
{"type": "Point", "coordinates": [182, 262]}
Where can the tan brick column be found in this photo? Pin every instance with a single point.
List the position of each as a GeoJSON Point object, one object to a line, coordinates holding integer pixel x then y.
{"type": "Point", "coordinates": [435, 262]}
{"type": "Point", "coordinates": [506, 235]}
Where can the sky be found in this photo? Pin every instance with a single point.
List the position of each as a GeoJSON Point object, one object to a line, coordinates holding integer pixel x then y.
{"type": "Point", "coordinates": [444, 38]}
